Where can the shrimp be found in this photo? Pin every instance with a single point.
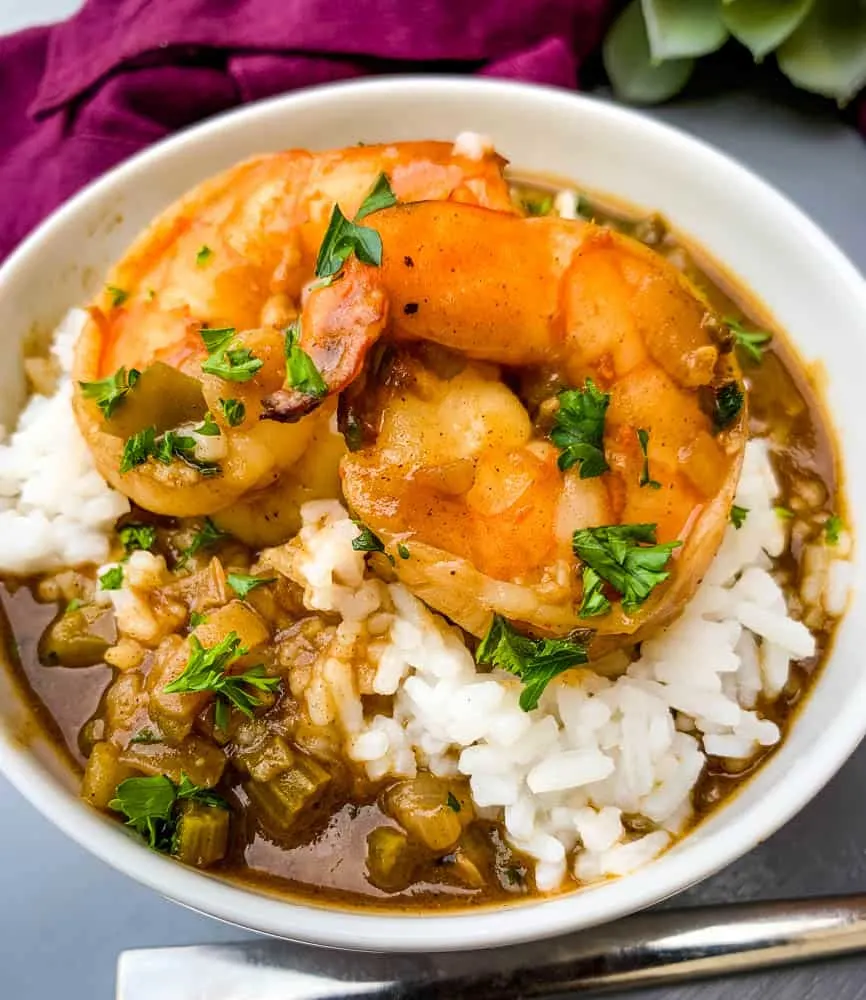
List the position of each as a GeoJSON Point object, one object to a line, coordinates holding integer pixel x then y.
{"type": "Point", "coordinates": [456, 471]}
{"type": "Point", "coordinates": [234, 255]}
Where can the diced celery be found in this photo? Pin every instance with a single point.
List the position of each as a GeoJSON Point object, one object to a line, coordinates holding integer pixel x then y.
{"type": "Point", "coordinates": [202, 834]}
{"type": "Point", "coordinates": [281, 802]}
{"type": "Point", "coordinates": [390, 858]}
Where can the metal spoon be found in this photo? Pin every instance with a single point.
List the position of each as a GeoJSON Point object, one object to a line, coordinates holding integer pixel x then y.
{"type": "Point", "coordinates": [645, 950]}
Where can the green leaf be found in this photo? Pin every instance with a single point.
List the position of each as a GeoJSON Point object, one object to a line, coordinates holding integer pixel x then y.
{"type": "Point", "coordinates": [594, 600]}
{"type": "Point", "coordinates": [645, 480]}
{"type": "Point", "coordinates": [343, 238]}
{"type": "Point", "coordinates": [827, 52]}
{"type": "Point", "coordinates": [783, 513]}
{"type": "Point", "coordinates": [537, 204]}
{"type": "Point", "coordinates": [172, 445]}
{"type": "Point", "coordinates": [206, 671]}
{"type": "Point", "coordinates": [137, 536]}
{"type": "Point", "coordinates": [111, 391]}
{"type": "Point", "coordinates": [234, 411]}
{"type": "Point", "coordinates": [633, 74]}
{"type": "Point", "coordinates": [367, 541]}
{"type": "Point", "coordinates": [301, 371]}
{"type": "Point", "coordinates": [738, 516]}
{"type": "Point", "coordinates": [242, 584]}
{"type": "Point", "coordinates": [762, 25]}
{"type": "Point", "coordinates": [238, 365]}
{"type": "Point", "coordinates": [203, 256]}
{"type": "Point", "coordinates": [727, 405]}
{"type": "Point", "coordinates": [196, 618]}
{"type": "Point", "coordinates": [832, 529]}
{"type": "Point", "coordinates": [208, 427]}
{"type": "Point", "coordinates": [682, 29]}
{"type": "Point", "coordinates": [535, 661]}
{"type": "Point", "coordinates": [750, 343]}
{"type": "Point", "coordinates": [453, 802]}
{"type": "Point", "coordinates": [117, 295]}
{"type": "Point", "coordinates": [206, 537]}
{"type": "Point", "coordinates": [218, 339]}
{"type": "Point", "coordinates": [627, 557]}
{"type": "Point", "coordinates": [380, 196]}
{"type": "Point", "coordinates": [578, 429]}
{"type": "Point", "coordinates": [73, 605]}
{"type": "Point", "coordinates": [402, 550]}
{"type": "Point", "coordinates": [137, 449]}
{"type": "Point", "coordinates": [111, 579]}
{"type": "Point", "coordinates": [148, 805]}
{"type": "Point", "coordinates": [145, 736]}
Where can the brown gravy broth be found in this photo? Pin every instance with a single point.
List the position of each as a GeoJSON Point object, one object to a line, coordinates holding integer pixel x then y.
{"type": "Point", "coordinates": [325, 861]}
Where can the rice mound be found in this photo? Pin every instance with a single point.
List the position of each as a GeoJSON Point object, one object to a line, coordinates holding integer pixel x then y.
{"type": "Point", "coordinates": [55, 508]}
{"type": "Point", "coordinates": [624, 740]}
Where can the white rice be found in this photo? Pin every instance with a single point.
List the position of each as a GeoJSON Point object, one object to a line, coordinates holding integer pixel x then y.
{"type": "Point", "coordinates": [55, 508]}
{"type": "Point", "coordinates": [472, 145]}
{"type": "Point", "coordinates": [562, 778]}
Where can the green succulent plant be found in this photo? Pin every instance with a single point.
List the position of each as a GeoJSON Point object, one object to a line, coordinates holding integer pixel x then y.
{"type": "Point", "coordinates": [820, 45]}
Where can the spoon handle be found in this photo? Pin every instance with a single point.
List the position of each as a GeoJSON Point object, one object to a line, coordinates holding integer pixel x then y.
{"type": "Point", "coordinates": [650, 949]}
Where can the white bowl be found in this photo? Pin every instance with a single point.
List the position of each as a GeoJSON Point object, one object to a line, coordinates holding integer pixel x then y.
{"type": "Point", "coordinates": [807, 285]}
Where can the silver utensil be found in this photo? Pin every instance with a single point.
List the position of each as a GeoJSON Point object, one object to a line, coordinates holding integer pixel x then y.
{"type": "Point", "coordinates": [644, 950]}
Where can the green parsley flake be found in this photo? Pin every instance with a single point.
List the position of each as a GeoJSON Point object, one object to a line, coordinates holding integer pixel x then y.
{"type": "Point", "coordinates": [342, 239]}
{"type": "Point", "coordinates": [783, 513]}
{"type": "Point", "coordinates": [832, 529]}
{"type": "Point", "coordinates": [206, 537]}
{"type": "Point", "coordinates": [145, 736]}
{"type": "Point", "coordinates": [203, 256]}
{"type": "Point", "coordinates": [380, 196]}
{"type": "Point", "coordinates": [627, 557]}
{"type": "Point", "coordinates": [117, 295]}
{"type": "Point", "coordinates": [208, 427]}
{"type": "Point", "coordinates": [453, 802]}
{"type": "Point", "coordinates": [206, 671]}
{"type": "Point", "coordinates": [137, 449]}
{"type": "Point", "coordinates": [73, 605]}
{"type": "Point", "coordinates": [150, 806]}
{"type": "Point", "coordinates": [594, 602]}
{"type": "Point", "coordinates": [111, 579]}
{"type": "Point", "coordinates": [727, 405]}
{"type": "Point", "coordinates": [537, 205]}
{"type": "Point", "coordinates": [750, 343]}
{"type": "Point", "coordinates": [301, 371]}
{"type": "Point", "coordinates": [234, 411]}
{"type": "Point", "coordinates": [402, 550]}
{"type": "Point", "coordinates": [196, 618]}
{"type": "Point", "coordinates": [233, 364]}
{"type": "Point", "coordinates": [111, 391]}
{"type": "Point", "coordinates": [578, 429]}
{"type": "Point", "coordinates": [535, 661]}
{"type": "Point", "coordinates": [367, 541]}
{"type": "Point", "coordinates": [738, 516]}
{"type": "Point", "coordinates": [145, 444]}
{"type": "Point", "coordinates": [242, 584]}
{"type": "Point", "coordinates": [135, 536]}
{"type": "Point", "coordinates": [643, 440]}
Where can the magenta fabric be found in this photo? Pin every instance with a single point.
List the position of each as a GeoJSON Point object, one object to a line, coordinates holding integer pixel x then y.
{"type": "Point", "coordinates": [78, 97]}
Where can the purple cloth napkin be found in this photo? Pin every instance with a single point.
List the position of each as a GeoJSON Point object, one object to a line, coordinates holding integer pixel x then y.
{"type": "Point", "coordinates": [78, 97]}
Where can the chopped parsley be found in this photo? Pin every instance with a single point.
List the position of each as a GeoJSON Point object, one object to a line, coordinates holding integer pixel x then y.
{"type": "Point", "coordinates": [578, 429]}
{"type": "Point", "coordinates": [117, 295]}
{"type": "Point", "coordinates": [233, 364]}
{"type": "Point", "coordinates": [111, 579]}
{"type": "Point", "coordinates": [627, 557]}
{"type": "Point", "coordinates": [204, 254]}
{"type": "Point", "coordinates": [145, 736]}
{"type": "Point", "coordinates": [196, 618]}
{"type": "Point", "coordinates": [727, 404]}
{"type": "Point", "coordinates": [380, 196]}
{"type": "Point", "coordinates": [150, 806]}
{"type": "Point", "coordinates": [750, 343]}
{"type": "Point", "coordinates": [367, 541]}
{"type": "Point", "coordinates": [645, 480]}
{"type": "Point", "coordinates": [208, 427]}
{"type": "Point", "coordinates": [537, 205]}
{"type": "Point", "coordinates": [73, 605]}
{"type": "Point", "coordinates": [738, 516]}
{"type": "Point", "coordinates": [145, 444]}
{"type": "Point", "coordinates": [453, 802]}
{"type": "Point", "coordinates": [402, 550]}
{"type": "Point", "coordinates": [206, 671]}
{"type": "Point", "coordinates": [595, 601]}
{"type": "Point", "coordinates": [242, 584]}
{"type": "Point", "coordinates": [832, 529]}
{"type": "Point", "coordinates": [205, 538]}
{"type": "Point", "coordinates": [783, 513]}
{"type": "Point", "coordinates": [234, 411]}
{"type": "Point", "coordinates": [137, 536]}
{"type": "Point", "coordinates": [301, 371]}
{"type": "Point", "coordinates": [535, 661]}
{"type": "Point", "coordinates": [111, 391]}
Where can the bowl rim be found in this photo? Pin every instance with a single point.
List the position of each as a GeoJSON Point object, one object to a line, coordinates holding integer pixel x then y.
{"type": "Point", "coordinates": [697, 857]}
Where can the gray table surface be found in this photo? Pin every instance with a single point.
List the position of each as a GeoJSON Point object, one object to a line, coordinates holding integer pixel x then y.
{"type": "Point", "coordinates": [65, 916]}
